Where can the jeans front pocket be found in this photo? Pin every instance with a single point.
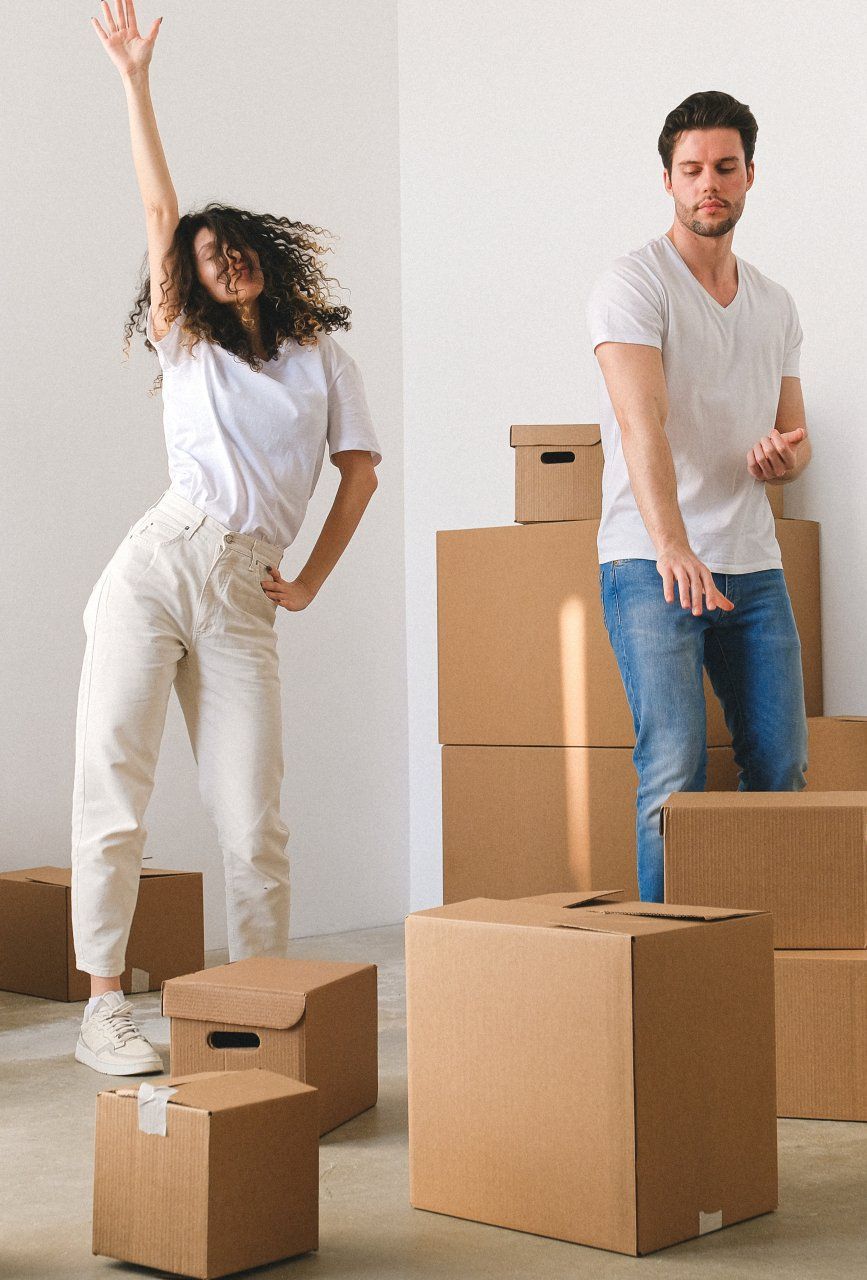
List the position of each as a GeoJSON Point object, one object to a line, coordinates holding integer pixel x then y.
{"type": "Point", "coordinates": [158, 528]}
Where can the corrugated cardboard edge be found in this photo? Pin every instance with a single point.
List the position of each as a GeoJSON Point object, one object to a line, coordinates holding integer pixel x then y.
{"type": "Point", "coordinates": [555, 435]}
{"type": "Point", "coordinates": [241, 1006]}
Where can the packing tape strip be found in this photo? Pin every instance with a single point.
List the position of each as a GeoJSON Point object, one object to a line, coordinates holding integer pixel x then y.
{"type": "Point", "coordinates": [709, 1222]}
{"type": "Point", "coordinates": [140, 981]}
{"type": "Point", "coordinates": [152, 1107]}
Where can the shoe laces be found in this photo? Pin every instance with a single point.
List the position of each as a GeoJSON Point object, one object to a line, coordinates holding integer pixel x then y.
{"type": "Point", "coordinates": [118, 1022]}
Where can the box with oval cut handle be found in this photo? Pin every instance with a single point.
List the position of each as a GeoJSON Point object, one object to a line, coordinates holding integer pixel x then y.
{"type": "Point", "coordinates": [313, 1020]}
{"type": "Point", "coordinates": [558, 472]}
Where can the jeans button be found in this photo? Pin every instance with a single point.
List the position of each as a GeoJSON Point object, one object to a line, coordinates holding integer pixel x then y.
{"type": "Point", "coordinates": [230, 537]}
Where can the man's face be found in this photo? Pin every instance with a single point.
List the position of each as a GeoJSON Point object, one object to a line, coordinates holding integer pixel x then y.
{"type": "Point", "coordinates": [709, 180]}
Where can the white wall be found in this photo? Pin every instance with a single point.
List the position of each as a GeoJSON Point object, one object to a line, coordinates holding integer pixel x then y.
{"type": "Point", "coordinates": [528, 162]}
{"type": "Point", "coordinates": [280, 106]}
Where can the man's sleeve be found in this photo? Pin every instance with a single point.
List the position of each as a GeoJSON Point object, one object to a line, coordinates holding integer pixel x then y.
{"type": "Point", "coordinates": [625, 305]}
{"type": "Point", "coordinates": [794, 338]}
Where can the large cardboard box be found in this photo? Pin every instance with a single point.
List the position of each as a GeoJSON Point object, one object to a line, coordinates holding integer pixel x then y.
{"type": "Point", "coordinates": [519, 821]}
{"type": "Point", "coordinates": [558, 472]}
{"type": "Point", "coordinates": [315, 1020]}
{"type": "Point", "coordinates": [524, 657]}
{"type": "Point", "coordinates": [822, 1034]}
{"type": "Point", "coordinates": [37, 956]}
{"type": "Point", "coordinates": [219, 1176]}
{"type": "Point", "coordinates": [837, 753]}
{"type": "Point", "coordinates": [800, 855]}
{"type": "Point", "coordinates": [597, 1073]}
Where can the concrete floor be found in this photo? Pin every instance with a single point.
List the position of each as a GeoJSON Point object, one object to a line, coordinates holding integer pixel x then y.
{"type": "Point", "coordinates": [367, 1228]}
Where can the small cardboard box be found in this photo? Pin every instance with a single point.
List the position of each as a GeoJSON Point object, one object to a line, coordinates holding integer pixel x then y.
{"type": "Point", "coordinates": [558, 472]}
{"type": "Point", "coordinates": [800, 855]}
{"type": "Point", "coordinates": [315, 1020]}
{"type": "Point", "coordinates": [822, 1034]}
{"type": "Point", "coordinates": [524, 657]}
{"type": "Point", "coordinates": [524, 820]}
{"type": "Point", "coordinates": [596, 1073]}
{"type": "Point", "coordinates": [837, 753]}
{"type": "Point", "coordinates": [219, 1176]}
{"type": "Point", "coordinates": [37, 957]}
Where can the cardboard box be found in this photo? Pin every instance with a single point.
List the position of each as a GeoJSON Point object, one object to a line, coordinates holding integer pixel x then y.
{"type": "Point", "coordinates": [776, 497]}
{"type": "Point", "coordinates": [524, 657]}
{"type": "Point", "coordinates": [315, 1020]}
{"type": "Point", "coordinates": [837, 753]}
{"type": "Point", "coordinates": [37, 957]}
{"type": "Point", "coordinates": [601, 1074]}
{"type": "Point", "coordinates": [519, 821]}
{"type": "Point", "coordinates": [821, 1034]}
{"type": "Point", "coordinates": [223, 1177]}
{"type": "Point", "coordinates": [800, 855]}
{"type": "Point", "coordinates": [558, 472]}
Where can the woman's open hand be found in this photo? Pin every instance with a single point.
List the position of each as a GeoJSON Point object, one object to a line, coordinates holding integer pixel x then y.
{"type": "Point", "coordinates": [128, 49]}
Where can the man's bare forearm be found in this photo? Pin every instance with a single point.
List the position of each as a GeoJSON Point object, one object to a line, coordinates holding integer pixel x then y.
{"type": "Point", "coordinates": [154, 180]}
{"type": "Point", "coordinates": [654, 484]}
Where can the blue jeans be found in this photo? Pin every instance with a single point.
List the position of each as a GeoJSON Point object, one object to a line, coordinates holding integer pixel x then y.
{"type": "Point", "coordinates": [753, 658]}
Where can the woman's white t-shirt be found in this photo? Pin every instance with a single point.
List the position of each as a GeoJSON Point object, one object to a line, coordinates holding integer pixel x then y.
{"type": "Point", "coordinates": [723, 367]}
{"type": "Point", "coordinates": [246, 447]}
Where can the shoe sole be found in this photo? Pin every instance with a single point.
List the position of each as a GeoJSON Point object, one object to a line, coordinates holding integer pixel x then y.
{"type": "Point", "coordinates": [144, 1067]}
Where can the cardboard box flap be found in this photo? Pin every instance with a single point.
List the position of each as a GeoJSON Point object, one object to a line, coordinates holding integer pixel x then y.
{"type": "Point", "coordinates": [671, 911]}
{"type": "Point", "coordinates": [63, 875]}
{"type": "Point", "coordinates": [213, 1091]}
{"type": "Point", "coordinates": [245, 1007]}
{"type": "Point", "coordinates": [561, 436]}
{"type": "Point", "coordinates": [573, 897]}
{"type": "Point", "coordinates": [49, 875]}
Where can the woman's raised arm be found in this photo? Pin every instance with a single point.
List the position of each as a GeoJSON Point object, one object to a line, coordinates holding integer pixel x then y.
{"type": "Point", "coordinates": [131, 54]}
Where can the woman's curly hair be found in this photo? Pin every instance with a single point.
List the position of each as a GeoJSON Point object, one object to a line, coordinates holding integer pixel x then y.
{"type": "Point", "coordinates": [295, 301]}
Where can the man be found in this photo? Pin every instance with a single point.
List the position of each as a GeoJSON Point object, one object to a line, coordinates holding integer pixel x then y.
{"type": "Point", "coordinates": [701, 408]}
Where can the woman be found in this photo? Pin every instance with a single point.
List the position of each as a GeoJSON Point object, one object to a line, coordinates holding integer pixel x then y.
{"type": "Point", "coordinates": [254, 389]}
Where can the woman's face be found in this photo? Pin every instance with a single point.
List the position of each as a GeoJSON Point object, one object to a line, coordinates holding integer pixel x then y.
{"type": "Point", "coordinates": [241, 285]}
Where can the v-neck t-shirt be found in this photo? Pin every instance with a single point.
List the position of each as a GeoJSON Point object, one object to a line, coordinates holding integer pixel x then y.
{"type": "Point", "coordinates": [246, 447]}
{"type": "Point", "coordinates": [723, 366]}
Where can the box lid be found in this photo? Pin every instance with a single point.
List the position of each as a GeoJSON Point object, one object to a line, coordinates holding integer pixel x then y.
{"type": "Point", "coordinates": [264, 991]}
{"type": "Point", "coordinates": [629, 919]}
{"type": "Point", "coordinates": [567, 435]}
{"type": "Point", "coordinates": [213, 1091]}
{"type": "Point", "coordinates": [63, 875]}
{"type": "Point", "coordinates": [691, 800]}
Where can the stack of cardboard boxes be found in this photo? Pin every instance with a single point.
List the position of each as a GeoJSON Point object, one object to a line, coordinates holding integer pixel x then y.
{"type": "Point", "coordinates": [803, 857]}
{"type": "Point", "coordinates": [215, 1168]}
{"type": "Point", "coordinates": [538, 781]}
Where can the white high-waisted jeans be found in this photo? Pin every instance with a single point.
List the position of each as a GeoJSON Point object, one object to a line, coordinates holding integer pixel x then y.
{"type": "Point", "coordinates": [179, 603]}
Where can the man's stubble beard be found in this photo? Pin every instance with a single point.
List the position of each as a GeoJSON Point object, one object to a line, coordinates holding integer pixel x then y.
{"type": "Point", "coordinates": [686, 216]}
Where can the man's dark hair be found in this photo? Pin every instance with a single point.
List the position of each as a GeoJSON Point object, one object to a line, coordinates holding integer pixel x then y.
{"type": "Point", "coordinates": [708, 110]}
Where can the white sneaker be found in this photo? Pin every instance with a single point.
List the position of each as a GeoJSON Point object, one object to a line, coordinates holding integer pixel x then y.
{"type": "Point", "coordinates": [110, 1041]}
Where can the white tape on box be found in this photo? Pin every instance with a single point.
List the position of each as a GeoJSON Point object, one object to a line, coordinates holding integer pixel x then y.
{"type": "Point", "coordinates": [140, 981]}
{"type": "Point", "coordinates": [152, 1107]}
{"type": "Point", "coordinates": [709, 1222]}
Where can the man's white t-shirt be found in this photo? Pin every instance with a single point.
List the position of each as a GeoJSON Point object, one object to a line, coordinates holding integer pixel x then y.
{"type": "Point", "coordinates": [723, 367]}
{"type": "Point", "coordinates": [246, 447]}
